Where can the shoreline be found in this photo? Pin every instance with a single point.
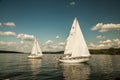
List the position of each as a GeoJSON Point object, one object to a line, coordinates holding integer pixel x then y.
{"type": "Point", "coordinates": [111, 51]}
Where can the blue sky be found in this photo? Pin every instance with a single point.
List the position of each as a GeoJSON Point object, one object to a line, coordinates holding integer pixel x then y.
{"type": "Point", "coordinates": [50, 21]}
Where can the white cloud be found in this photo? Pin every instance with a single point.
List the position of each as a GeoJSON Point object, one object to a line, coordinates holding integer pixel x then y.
{"type": "Point", "coordinates": [106, 42]}
{"type": "Point", "coordinates": [51, 46]}
{"type": "Point", "coordinates": [72, 3]}
{"type": "Point", "coordinates": [8, 33]}
{"type": "Point", "coordinates": [0, 24]}
{"type": "Point", "coordinates": [114, 43]}
{"type": "Point", "coordinates": [16, 46]}
{"type": "Point", "coordinates": [98, 26]}
{"type": "Point", "coordinates": [92, 45]}
{"type": "Point", "coordinates": [106, 27]}
{"type": "Point", "coordinates": [11, 24]}
{"type": "Point", "coordinates": [48, 46]}
{"type": "Point", "coordinates": [61, 43]}
{"type": "Point", "coordinates": [7, 45]}
{"type": "Point", "coordinates": [26, 46]}
{"type": "Point", "coordinates": [49, 42]}
{"type": "Point", "coordinates": [100, 37]}
{"type": "Point", "coordinates": [57, 37]}
{"type": "Point", "coordinates": [25, 36]}
{"type": "Point", "coordinates": [61, 46]}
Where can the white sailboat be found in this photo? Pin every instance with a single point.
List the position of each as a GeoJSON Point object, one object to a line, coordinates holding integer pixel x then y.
{"type": "Point", "coordinates": [36, 51]}
{"type": "Point", "coordinates": [76, 50]}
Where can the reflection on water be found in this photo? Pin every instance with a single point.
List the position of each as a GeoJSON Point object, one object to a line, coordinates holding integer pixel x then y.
{"type": "Point", "coordinates": [19, 67]}
{"type": "Point", "coordinates": [78, 71]}
{"type": "Point", "coordinates": [35, 65]}
{"type": "Point", "coordinates": [105, 67]}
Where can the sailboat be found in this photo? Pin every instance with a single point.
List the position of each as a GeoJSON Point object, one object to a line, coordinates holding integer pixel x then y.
{"type": "Point", "coordinates": [76, 50]}
{"type": "Point", "coordinates": [36, 50]}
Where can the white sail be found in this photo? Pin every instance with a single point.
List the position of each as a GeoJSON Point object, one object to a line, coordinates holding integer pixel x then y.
{"type": "Point", "coordinates": [70, 41]}
{"type": "Point", "coordinates": [36, 50]}
{"type": "Point", "coordinates": [68, 48]}
{"type": "Point", "coordinates": [34, 47]}
{"type": "Point", "coordinates": [75, 43]}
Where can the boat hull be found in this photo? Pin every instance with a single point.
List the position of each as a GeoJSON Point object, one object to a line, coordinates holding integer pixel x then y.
{"type": "Point", "coordinates": [34, 57]}
{"type": "Point", "coordinates": [74, 60]}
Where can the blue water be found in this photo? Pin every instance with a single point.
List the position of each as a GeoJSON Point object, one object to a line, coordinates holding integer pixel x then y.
{"type": "Point", "coordinates": [19, 67]}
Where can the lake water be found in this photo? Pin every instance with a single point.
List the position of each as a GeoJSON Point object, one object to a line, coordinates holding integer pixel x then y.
{"type": "Point", "coordinates": [18, 67]}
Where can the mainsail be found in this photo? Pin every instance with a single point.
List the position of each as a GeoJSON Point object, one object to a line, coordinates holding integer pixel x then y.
{"type": "Point", "coordinates": [75, 44]}
{"type": "Point", "coordinates": [36, 48]}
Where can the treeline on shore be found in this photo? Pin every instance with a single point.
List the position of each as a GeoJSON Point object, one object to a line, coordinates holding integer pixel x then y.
{"type": "Point", "coordinates": [3, 51]}
{"type": "Point", "coordinates": [57, 52]}
{"type": "Point", "coordinates": [112, 51]}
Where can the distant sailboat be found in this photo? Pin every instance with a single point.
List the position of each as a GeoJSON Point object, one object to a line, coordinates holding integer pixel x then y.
{"type": "Point", "coordinates": [76, 49]}
{"type": "Point", "coordinates": [36, 51]}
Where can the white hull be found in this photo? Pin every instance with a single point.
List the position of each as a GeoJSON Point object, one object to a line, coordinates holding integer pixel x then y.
{"type": "Point", "coordinates": [74, 60]}
{"type": "Point", "coordinates": [35, 56]}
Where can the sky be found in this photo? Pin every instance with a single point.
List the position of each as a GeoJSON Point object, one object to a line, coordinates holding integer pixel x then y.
{"type": "Point", "coordinates": [51, 20]}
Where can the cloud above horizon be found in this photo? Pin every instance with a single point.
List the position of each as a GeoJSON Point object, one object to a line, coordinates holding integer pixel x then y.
{"type": "Point", "coordinates": [26, 41]}
{"type": "Point", "coordinates": [105, 27]}
{"type": "Point", "coordinates": [106, 44]}
{"type": "Point", "coordinates": [0, 24]}
{"type": "Point", "coordinates": [49, 42]}
{"type": "Point", "coordinates": [25, 37]}
{"type": "Point", "coordinates": [57, 37]}
{"type": "Point", "coordinates": [49, 45]}
{"type": "Point", "coordinates": [72, 3]}
{"type": "Point", "coordinates": [16, 46]}
{"type": "Point", "coordinates": [10, 24]}
{"type": "Point", "coordinates": [7, 33]}
{"type": "Point", "coordinates": [100, 37]}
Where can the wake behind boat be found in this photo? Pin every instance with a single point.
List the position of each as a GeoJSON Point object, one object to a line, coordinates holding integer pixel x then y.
{"type": "Point", "coordinates": [76, 50]}
{"type": "Point", "coordinates": [36, 52]}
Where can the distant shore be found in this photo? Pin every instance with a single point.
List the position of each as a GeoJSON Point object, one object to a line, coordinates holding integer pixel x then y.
{"type": "Point", "coordinates": [3, 51]}
{"type": "Point", "coordinates": [111, 51]}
